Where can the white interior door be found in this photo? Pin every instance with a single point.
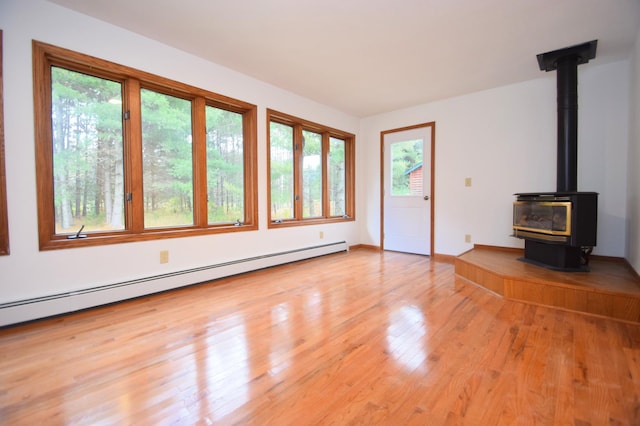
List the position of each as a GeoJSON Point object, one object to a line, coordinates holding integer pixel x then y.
{"type": "Point", "coordinates": [407, 187]}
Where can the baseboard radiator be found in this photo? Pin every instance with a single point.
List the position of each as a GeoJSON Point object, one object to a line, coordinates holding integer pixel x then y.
{"type": "Point", "coordinates": [55, 304]}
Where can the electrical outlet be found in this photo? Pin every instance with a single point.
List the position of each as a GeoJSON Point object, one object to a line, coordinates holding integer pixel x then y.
{"type": "Point", "coordinates": [467, 181]}
{"type": "Point", "coordinates": [467, 238]}
{"type": "Point", "coordinates": [321, 234]}
{"type": "Point", "coordinates": [164, 256]}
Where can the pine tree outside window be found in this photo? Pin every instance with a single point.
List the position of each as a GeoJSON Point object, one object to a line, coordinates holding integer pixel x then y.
{"type": "Point", "coordinates": [88, 171]}
{"type": "Point", "coordinates": [123, 155]}
{"type": "Point", "coordinates": [311, 172]}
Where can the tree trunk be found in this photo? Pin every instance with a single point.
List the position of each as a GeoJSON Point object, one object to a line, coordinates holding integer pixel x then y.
{"type": "Point", "coordinates": [67, 217]}
{"type": "Point", "coordinates": [85, 194]}
{"type": "Point", "coordinates": [61, 186]}
{"type": "Point", "coordinates": [77, 198]}
{"type": "Point", "coordinates": [108, 202]}
{"type": "Point", "coordinates": [118, 195]}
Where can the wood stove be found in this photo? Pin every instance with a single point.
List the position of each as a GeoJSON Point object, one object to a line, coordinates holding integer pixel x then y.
{"type": "Point", "coordinates": [559, 228]}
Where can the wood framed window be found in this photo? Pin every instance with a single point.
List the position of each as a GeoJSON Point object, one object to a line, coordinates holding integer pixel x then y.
{"type": "Point", "coordinates": [311, 172]}
{"type": "Point", "coordinates": [124, 155]}
{"type": "Point", "coordinates": [4, 221]}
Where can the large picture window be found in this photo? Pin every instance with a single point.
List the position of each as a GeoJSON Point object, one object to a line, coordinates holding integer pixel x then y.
{"type": "Point", "coordinates": [124, 155]}
{"type": "Point", "coordinates": [311, 172]}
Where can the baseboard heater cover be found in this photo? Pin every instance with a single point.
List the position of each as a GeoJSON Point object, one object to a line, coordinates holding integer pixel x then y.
{"type": "Point", "coordinates": [55, 304]}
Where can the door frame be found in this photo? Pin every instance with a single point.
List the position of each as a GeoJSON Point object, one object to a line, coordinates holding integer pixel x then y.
{"type": "Point", "coordinates": [432, 125]}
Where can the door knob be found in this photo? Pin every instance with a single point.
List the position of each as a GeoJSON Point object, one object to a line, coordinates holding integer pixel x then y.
{"type": "Point", "coordinates": [426, 197]}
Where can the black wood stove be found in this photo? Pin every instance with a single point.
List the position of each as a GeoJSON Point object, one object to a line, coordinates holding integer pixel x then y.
{"type": "Point", "coordinates": [559, 228]}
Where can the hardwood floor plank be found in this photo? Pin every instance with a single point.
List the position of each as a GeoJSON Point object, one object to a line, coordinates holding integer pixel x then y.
{"type": "Point", "coordinates": [354, 338]}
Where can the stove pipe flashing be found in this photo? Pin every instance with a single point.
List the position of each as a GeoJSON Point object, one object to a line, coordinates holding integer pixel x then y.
{"type": "Point", "coordinates": [566, 62]}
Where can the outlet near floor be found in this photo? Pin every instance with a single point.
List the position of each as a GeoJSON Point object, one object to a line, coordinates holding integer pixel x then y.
{"type": "Point", "coordinates": [467, 238]}
{"type": "Point", "coordinates": [164, 256]}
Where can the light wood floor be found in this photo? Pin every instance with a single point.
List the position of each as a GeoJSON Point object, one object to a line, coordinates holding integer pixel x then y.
{"type": "Point", "coordinates": [353, 338]}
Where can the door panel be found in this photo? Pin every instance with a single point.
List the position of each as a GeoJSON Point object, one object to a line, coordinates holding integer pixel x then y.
{"type": "Point", "coordinates": [406, 188]}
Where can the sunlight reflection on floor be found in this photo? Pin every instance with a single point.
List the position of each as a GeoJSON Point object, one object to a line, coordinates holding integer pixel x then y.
{"type": "Point", "coordinates": [405, 336]}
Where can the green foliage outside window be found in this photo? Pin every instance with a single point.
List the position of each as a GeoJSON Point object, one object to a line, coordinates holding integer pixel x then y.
{"type": "Point", "coordinates": [130, 156]}
{"type": "Point", "coordinates": [404, 156]}
{"type": "Point", "coordinates": [88, 157]}
{"type": "Point", "coordinates": [167, 160]}
{"type": "Point", "coordinates": [337, 178]}
{"type": "Point", "coordinates": [311, 171]}
{"type": "Point", "coordinates": [311, 174]}
{"type": "Point", "coordinates": [281, 161]}
{"type": "Point", "coordinates": [225, 166]}
{"type": "Point", "coordinates": [87, 152]}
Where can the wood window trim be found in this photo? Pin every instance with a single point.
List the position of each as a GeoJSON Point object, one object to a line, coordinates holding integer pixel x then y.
{"type": "Point", "coordinates": [299, 125]}
{"type": "Point", "coordinates": [46, 55]}
{"type": "Point", "coordinates": [4, 221]}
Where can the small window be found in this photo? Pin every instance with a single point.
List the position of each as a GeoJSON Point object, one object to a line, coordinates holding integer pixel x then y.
{"type": "Point", "coordinates": [406, 157]}
{"type": "Point", "coordinates": [311, 172]}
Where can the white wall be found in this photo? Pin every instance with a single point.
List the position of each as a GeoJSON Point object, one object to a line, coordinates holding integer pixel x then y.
{"type": "Point", "coordinates": [28, 272]}
{"type": "Point", "coordinates": [505, 140]}
{"type": "Point", "coordinates": [633, 201]}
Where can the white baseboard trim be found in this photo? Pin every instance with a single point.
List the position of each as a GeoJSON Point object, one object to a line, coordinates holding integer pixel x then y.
{"type": "Point", "coordinates": [45, 306]}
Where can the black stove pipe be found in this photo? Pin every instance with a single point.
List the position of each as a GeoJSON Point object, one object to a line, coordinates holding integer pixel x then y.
{"type": "Point", "coordinates": [566, 62]}
{"type": "Point", "coordinates": [567, 160]}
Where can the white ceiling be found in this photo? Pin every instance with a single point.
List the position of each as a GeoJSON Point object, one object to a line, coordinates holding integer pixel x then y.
{"type": "Point", "coordinates": [371, 56]}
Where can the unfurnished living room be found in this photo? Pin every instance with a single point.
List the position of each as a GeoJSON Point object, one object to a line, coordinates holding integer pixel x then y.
{"type": "Point", "coordinates": [285, 212]}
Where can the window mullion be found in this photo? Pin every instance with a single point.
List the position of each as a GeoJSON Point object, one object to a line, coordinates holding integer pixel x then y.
{"type": "Point", "coordinates": [199, 147]}
{"type": "Point", "coordinates": [298, 142]}
{"type": "Point", "coordinates": [250, 182]}
{"type": "Point", "coordinates": [134, 201]}
{"type": "Point", "coordinates": [350, 178]}
{"type": "Point", "coordinates": [44, 147]}
{"type": "Point", "coordinates": [325, 175]}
